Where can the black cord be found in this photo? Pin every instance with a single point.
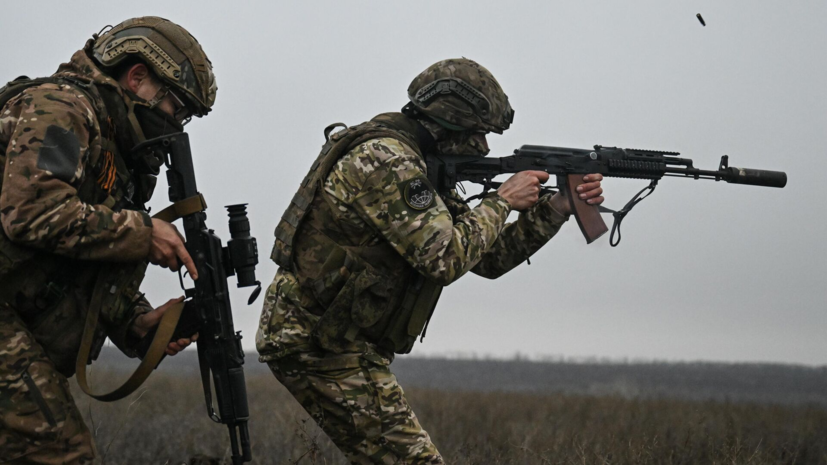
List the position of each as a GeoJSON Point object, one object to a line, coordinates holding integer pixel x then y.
{"type": "Point", "coordinates": [486, 187]}
{"type": "Point", "coordinates": [620, 214]}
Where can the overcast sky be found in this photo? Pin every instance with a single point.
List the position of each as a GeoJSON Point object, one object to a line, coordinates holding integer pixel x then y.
{"type": "Point", "coordinates": [705, 271]}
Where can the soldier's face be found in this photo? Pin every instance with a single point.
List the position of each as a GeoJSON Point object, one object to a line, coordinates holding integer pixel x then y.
{"type": "Point", "coordinates": [150, 89]}
{"type": "Point", "coordinates": [144, 84]}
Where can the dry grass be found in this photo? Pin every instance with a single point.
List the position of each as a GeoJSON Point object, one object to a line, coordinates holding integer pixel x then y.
{"type": "Point", "coordinates": [166, 423]}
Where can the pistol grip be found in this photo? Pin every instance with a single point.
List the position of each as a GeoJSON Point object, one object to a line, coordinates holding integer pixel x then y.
{"type": "Point", "coordinates": [588, 216]}
{"type": "Point", "coordinates": [187, 325]}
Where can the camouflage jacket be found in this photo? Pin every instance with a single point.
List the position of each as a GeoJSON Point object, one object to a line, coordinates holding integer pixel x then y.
{"type": "Point", "coordinates": [59, 230]}
{"type": "Point", "coordinates": [442, 242]}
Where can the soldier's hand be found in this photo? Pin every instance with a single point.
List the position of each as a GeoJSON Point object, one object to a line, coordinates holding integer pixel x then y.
{"type": "Point", "coordinates": [168, 248]}
{"type": "Point", "coordinates": [523, 189]}
{"type": "Point", "coordinates": [144, 324]}
{"type": "Point", "coordinates": [590, 191]}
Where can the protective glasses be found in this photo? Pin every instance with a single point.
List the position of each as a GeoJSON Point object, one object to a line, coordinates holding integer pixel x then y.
{"type": "Point", "coordinates": [182, 113]}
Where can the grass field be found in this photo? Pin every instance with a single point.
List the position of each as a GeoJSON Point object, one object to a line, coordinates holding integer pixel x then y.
{"type": "Point", "coordinates": [165, 422]}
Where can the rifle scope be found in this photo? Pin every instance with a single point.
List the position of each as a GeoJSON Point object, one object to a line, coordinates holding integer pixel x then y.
{"type": "Point", "coordinates": [241, 253]}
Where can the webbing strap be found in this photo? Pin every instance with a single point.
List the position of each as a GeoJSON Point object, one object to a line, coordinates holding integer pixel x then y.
{"type": "Point", "coordinates": [182, 208]}
{"type": "Point", "coordinates": [166, 328]}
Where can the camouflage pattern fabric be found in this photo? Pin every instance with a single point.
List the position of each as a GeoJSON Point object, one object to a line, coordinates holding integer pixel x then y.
{"type": "Point", "coordinates": [442, 242]}
{"type": "Point", "coordinates": [53, 148]}
{"type": "Point", "coordinates": [368, 186]}
{"type": "Point", "coordinates": [358, 402]}
{"type": "Point", "coordinates": [39, 422]}
{"type": "Point", "coordinates": [442, 238]}
{"type": "Point", "coordinates": [51, 133]}
{"type": "Point", "coordinates": [461, 94]}
{"type": "Point", "coordinates": [52, 141]}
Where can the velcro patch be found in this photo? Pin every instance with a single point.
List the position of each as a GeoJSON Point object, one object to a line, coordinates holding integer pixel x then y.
{"type": "Point", "coordinates": [418, 193]}
{"type": "Point", "coordinates": [59, 153]}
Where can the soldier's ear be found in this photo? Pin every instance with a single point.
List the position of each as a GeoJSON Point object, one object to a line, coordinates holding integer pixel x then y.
{"type": "Point", "coordinates": [135, 76]}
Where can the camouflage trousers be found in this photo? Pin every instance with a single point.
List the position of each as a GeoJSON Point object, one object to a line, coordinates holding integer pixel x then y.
{"type": "Point", "coordinates": [359, 404]}
{"type": "Point", "coordinates": [39, 422]}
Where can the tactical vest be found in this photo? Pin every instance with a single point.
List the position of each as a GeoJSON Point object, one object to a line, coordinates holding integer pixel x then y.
{"type": "Point", "coordinates": [37, 283]}
{"type": "Point", "coordinates": [367, 291]}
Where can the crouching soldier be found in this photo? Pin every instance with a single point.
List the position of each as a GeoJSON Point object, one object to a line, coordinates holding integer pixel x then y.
{"type": "Point", "coordinates": [76, 235]}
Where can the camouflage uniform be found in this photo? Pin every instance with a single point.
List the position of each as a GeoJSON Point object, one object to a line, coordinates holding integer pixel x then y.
{"type": "Point", "coordinates": [74, 233]}
{"type": "Point", "coordinates": [348, 388]}
{"type": "Point", "coordinates": [60, 181]}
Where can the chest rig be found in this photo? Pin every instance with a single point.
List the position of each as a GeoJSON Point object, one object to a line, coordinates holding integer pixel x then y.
{"type": "Point", "coordinates": [35, 282]}
{"type": "Point", "coordinates": [359, 291]}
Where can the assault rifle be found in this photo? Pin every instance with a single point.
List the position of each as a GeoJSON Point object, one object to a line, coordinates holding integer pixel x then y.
{"type": "Point", "coordinates": [569, 165]}
{"type": "Point", "coordinates": [208, 309]}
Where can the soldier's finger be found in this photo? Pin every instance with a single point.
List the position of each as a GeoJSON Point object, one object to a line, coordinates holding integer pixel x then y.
{"type": "Point", "coordinates": [587, 186]}
{"type": "Point", "coordinates": [174, 346]}
{"type": "Point", "coordinates": [591, 193]}
{"type": "Point", "coordinates": [172, 262]}
{"type": "Point", "coordinates": [183, 342]}
{"type": "Point", "coordinates": [541, 176]}
{"type": "Point", "coordinates": [194, 337]}
{"type": "Point", "coordinates": [593, 177]}
{"type": "Point", "coordinates": [187, 261]}
{"type": "Point", "coordinates": [595, 201]}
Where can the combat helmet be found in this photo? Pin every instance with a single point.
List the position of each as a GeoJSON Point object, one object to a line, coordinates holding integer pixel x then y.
{"type": "Point", "coordinates": [460, 94]}
{"type": "Point", "coordinates": [169, 50]}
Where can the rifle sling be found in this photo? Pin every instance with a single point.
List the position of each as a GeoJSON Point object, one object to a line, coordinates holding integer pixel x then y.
{"type": "Point", "coordinates": [153, 356]}
{"type": "Point", "coordinates": [182, 208]}
{"type": "Point", "coordinates": [166, 327]}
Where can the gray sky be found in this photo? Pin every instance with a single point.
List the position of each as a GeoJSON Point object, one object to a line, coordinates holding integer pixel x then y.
{"type": "Point", "coordinates": [706, 271]}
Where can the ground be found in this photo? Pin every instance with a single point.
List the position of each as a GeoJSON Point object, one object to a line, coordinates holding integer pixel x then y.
{"type": "Point", "coordinates": [165, 422]}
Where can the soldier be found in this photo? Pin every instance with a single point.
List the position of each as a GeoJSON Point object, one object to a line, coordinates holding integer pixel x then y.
{"type": "Point", "coordinates": [367, 244]}
{"type": "Point", "coordinates": [74, 224]}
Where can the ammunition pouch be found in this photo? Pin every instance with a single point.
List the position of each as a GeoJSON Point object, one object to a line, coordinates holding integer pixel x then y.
{"type": "Point", "coordinates": [372, 305]}
{"type": "Point", "coordinates": [412, 317]}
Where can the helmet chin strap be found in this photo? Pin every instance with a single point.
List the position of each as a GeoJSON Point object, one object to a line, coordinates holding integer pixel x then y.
{"type": "Point", "coordinates": [132, 99]}
{"type": "Point", "coordinates": [135, 127]}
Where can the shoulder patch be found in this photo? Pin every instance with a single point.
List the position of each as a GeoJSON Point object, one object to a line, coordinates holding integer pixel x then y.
{"type": "Point", "coordinates": [418, 193]}
{"type": "Point", "coordinates": [59, 153]}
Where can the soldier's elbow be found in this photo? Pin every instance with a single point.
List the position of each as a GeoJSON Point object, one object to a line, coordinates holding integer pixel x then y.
{"type": "Point", "coordinates": [441, 277]}
{"type": "Point", "coordinates": [15, 232]}
{"type": "Point", "coordinates": [16, 229]}
{"type": "Point", "coordinates": [489, 273]}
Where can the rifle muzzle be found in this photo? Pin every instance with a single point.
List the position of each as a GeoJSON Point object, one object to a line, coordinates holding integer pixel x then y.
{"type": "Point", "coordinates": [756, 177]}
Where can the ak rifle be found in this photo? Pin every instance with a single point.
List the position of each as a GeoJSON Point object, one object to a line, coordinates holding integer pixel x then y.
{"type": "Point", "coordinates": [207, 309]}
{"type": "Point", "coordinates": [570, 165]}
